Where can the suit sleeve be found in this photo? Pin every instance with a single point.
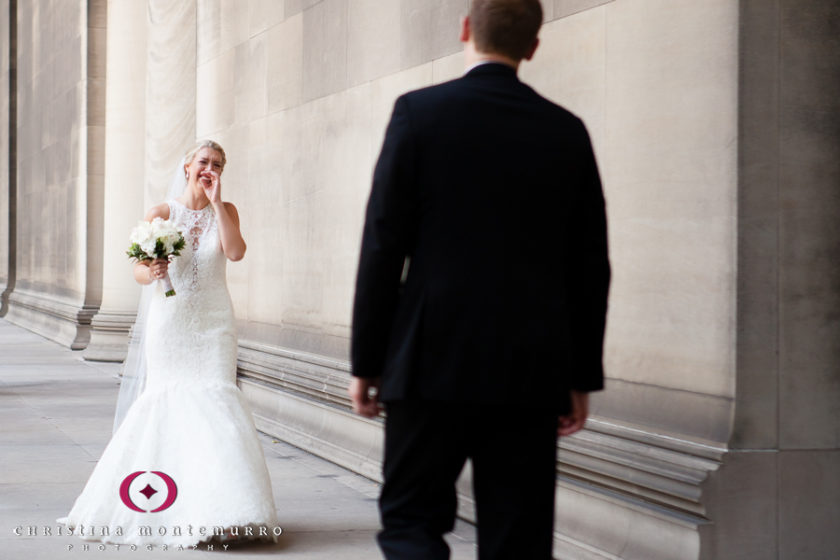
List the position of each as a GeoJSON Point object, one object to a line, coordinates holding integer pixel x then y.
{"type": "Point", "coordinates": [387, 238]}
{"type": "Point", "coordinates": [590, 275]}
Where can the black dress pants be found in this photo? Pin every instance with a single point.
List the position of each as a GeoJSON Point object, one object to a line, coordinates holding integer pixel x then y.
{"type": "Point", "coordinates": [513, 452]}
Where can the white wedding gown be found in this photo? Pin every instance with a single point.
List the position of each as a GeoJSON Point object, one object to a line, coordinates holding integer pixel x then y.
{"type": "Point", "coordinates": [191, 422]}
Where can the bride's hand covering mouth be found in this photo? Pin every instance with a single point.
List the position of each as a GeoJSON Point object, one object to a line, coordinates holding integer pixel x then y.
{"type": "Point", "coordinates": [209, 181]}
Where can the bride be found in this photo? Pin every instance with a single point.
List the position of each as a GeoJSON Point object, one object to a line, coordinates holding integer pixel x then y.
{"type": "Point", "coordinates": [184, 464]}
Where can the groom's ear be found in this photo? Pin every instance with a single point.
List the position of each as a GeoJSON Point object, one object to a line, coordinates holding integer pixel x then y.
{"type": "Point", "coordinates": [466, 32]}
{"type": "Point", "coordinates": [530, 54]}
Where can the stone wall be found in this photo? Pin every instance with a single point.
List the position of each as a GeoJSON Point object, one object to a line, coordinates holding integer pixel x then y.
{"type": "Point", "coordinates": [300, 94]}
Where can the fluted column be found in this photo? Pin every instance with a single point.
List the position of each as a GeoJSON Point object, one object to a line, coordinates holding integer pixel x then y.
{"type": "Point", "coordinates": [8, 28]}
{"type": "Point", "coordinates": [59, 144]}
{"type": "Point", "coordinates": [170, 91]}
{"type": "Point", "coordinates": [124, 177]}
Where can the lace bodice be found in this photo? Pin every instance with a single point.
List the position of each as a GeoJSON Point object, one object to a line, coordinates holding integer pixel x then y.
{"type": "Point", "coordinates": [201, 264]}
{"type": "Point", "coordinates": [191, 337]}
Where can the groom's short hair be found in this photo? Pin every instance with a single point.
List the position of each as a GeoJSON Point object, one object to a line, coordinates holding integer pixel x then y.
{"type": "Point", "coordinates": [506, 27]}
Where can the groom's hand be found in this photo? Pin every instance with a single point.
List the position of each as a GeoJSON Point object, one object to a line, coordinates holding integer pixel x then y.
{"type": "Point", "coordinates": [365, 401]}
{"type": "Point", "coordinates": [574, 420]}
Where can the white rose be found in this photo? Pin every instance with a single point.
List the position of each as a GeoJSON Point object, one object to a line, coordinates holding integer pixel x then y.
{"type": "Point", "coordinates": [148, 246]}
{"type": "Point", "coordinates": [164, 230]}
{"type": "Point", "coordinates": [142, 232]}
{"type": "Point", "coordinates": [158, 224]}
{"type": "Point", "coordinates": [168, 244]}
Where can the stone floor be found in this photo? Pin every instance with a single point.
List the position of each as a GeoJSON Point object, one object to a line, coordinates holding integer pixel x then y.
{"type": "Point", "coordinates": [56, 412]}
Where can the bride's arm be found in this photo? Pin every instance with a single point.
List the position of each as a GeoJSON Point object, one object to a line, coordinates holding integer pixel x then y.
{"type": "Point", "coordinates": [233, 244]}
{"type": "Point", "coordinates": [145, 271]}
{"type": "Point", "coordinates": [227, 217]}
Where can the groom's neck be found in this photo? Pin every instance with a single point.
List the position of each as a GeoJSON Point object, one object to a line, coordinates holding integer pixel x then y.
{"type": "Point", "coordinates": [473, 57]}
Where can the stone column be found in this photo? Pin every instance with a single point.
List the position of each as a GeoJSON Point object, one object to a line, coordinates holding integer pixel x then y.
{"type": "Point", "coordinates": [776, 494]}
{"type": "Point", "coordinates": [124, 164]}
{"type": "Point", "coordinates": [170, 91]}
{"type": "Point", "coordinates": [59, 141]}
{"type": "Point", "coordinates": [8, 110]}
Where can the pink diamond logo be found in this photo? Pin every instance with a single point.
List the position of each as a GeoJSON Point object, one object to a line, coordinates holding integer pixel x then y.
{"type": "Point", "coordinates": [148, 491]}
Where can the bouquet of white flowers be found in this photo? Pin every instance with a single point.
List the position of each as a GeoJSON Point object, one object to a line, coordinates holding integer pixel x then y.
{"type": "Point", "coordinates": [157, 239]}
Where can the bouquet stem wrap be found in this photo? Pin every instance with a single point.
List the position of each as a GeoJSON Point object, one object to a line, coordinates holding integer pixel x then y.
{"type": "Point", "coordinates": [169, 291]}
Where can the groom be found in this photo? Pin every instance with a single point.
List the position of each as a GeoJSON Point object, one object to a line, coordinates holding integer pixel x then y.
{"type": "Point", "coordinates": [481, 296]}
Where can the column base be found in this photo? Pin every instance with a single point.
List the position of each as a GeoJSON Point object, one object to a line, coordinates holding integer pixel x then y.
{"type": "Point", "coordinates": [62, 321]}
{"type": "Point", "coordinates": [623, 492]}
{"type": "Point", "coordinates": [109, 336]}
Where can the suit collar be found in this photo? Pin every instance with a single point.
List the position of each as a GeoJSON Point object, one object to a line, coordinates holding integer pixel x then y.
{"type": "Point", "coordinates": [492, 68]}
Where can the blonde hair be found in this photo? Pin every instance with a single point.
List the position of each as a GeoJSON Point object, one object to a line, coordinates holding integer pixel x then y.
{"type": "Point", "coordinates": [190, 155]}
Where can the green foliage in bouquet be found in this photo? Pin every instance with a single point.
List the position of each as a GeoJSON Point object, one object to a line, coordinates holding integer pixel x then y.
{"type": "Point", "coordinates": [135, 252]}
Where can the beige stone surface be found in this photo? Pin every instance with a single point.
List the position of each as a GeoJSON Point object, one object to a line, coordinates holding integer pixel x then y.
{"type": "Point", "coordinates": [668, 163]}
{"type": "Point", "coordinates": [215, 94]}
{"type": "Point", "coordinates": [264, 14]}
{"type": "Point", "coordinates": [59, 140]}
{"type": "Point", "coordinates": [384, 93]}
{"type": "Point", "coordinates": [809, 490]}
{"type": "Point", "coordinates": [94, 151]}
{"type": "Point", "coordinates": [51, 147]}
{"type": "Point", "coordinates": [570, 68]}
{"type": "Point", "coordinates": [743, 499]}
{"type": "Point", "coordinates": [307, 257]}
{"type": "Point", "coordinates": [287, 98]}
{"type": "Point", "coordinates": [563, 8]}
{"type": "Point", "coordinates": [208, 15]}
{"type": "Point", "coordinates": [757, 400]}
{"type": "Point", "coordinates": [809, 234]}
{"type": "Point", "coordinates": [430, 29]}
{"type": "Point", "coordinates": [548, 11]}
{"type": "Point", "coordinates": [325, 68]}
{"type": "Point", "coordinates": [300, 171]}
{"type": "Point", "coordinates": [448, 67]}
{"type": "Point", "coordinates": [250, 80]}
{"type": "Point", "coordinates": [620, 530]}
{"type": "Point", "coordinates": [123, 175]}
{"type": "Point", "coordinates": [235, 23]}
{"type": "Point", "coordinates": [171, 84]}
{"type": "Point", "coordinates": [293, 7]}
{"type": "Point", "coordinates": [372, 37]}
{"type": "Point", "coordinates": [285, 64]}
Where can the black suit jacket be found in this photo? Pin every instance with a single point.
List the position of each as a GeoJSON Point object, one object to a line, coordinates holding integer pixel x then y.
{"type": "Point", "coordinates": [490, 195]}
